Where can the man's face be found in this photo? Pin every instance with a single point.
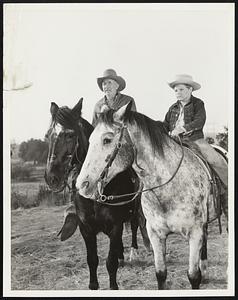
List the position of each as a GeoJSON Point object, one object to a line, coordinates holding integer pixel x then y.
{"type": "Point", "coordinates": [183, 92]}
{"type": "Point", "coordinates": [110, 87]}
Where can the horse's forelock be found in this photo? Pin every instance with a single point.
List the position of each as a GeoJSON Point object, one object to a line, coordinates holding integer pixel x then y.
{"type": "Point", "coordinates": [66, 118]}
{"type": "Point", "coordinates": [106, 117]}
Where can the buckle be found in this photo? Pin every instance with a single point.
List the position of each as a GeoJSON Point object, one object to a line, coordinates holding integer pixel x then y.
{"type": "Point", "coordinates": [102, 198]}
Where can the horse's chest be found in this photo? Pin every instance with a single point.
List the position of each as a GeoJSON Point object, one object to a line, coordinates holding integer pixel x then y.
{"type": "Point", "coordinates": [153, 213]}
{"type": "Point", "coordinates": [176, 214]}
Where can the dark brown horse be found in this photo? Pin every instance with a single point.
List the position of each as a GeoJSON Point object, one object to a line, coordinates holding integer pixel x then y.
{"type": "Point", "coordinates": [68, 144]}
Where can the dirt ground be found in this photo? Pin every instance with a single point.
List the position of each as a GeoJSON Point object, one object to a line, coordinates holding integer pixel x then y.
{"type": "Point", "coordinates": [40, 261]}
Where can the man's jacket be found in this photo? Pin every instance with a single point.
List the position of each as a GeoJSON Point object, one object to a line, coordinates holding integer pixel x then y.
{"type": "Point", "coordinates": [117, 103]}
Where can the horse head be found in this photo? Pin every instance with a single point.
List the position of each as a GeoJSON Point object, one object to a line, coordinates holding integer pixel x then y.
{"type": "Point", "coordinates": [67, 144]}
{"type": "Point", "coordinates": [110, 152]}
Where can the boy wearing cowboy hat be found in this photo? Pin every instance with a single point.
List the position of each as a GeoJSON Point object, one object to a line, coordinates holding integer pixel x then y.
{"type": "Point", "coordinates": [187, 116]}
{"type": "Point", "coordinates": [111, 84]}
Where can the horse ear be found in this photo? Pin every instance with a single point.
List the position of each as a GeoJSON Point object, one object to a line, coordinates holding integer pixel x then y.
{"type": "Point", "coordinates": [76, 110]}
{"type": "Point", "coordinates": [123, 112]}
{"type": "Point", "coordinates": [53, 108]}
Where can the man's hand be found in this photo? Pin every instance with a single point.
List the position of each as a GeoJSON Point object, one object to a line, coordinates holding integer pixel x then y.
{"type": "Point", "coordinates": [178, 130]}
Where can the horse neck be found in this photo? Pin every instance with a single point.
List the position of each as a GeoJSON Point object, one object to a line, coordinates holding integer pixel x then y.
{"type": "Point", "coordinates": [156, 166]}
{"type": "Point", "coordinates": [85, 131]}
{"type": "Point", "coordinates": [87, 127]}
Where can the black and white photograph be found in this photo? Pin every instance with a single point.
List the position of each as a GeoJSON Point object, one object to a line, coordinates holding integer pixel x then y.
{"type": "Point", "coordinates": [118, 149]}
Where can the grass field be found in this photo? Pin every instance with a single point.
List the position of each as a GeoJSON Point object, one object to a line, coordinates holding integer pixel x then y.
{"type": "Point", "coordinates": [30, 187]}
{"type": "Point", "coordinates": [34, 191]}
{"type": "Point", "coordinates": [40, 261]}
{"type": "Point", "coordinates": [27, 188]}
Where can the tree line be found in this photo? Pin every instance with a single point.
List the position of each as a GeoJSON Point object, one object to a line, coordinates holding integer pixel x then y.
{"type": "Point", "coordinates": [222, 139]}
{"type": "Point", "coordinates": [36, 150]}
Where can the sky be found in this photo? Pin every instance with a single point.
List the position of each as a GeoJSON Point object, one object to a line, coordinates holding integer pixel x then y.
{"type": "Point", "coordinates": [61, 49]}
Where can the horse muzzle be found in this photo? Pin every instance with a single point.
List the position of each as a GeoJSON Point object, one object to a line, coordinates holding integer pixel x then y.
{"type": "Point", "coordinates": [86, 189]}
{"type": "Point", "coordinates": [54, 182]}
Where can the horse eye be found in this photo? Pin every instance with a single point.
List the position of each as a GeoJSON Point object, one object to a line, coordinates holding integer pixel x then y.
{"type": "Point", "coordinates": [106, 141]}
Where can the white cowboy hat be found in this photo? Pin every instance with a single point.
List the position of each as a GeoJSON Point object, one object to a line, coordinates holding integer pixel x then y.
{"type": "Point", "coordinates": [184, 79]}
{"type": "Point", "coordinates": [111, 74]}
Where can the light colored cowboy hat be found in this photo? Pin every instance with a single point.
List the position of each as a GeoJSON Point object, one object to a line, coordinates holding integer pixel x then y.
{"type": "Point", "coordinates": [111, 74]}
{"type": "Point", "coordinates": [184, 79]}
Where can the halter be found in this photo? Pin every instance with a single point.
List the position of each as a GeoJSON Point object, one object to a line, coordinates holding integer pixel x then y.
{"type": "Point", "coordinates": [104, 198]}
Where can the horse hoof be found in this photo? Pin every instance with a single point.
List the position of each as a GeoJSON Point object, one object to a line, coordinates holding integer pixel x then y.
{"type": "Point", "coordinates": [121, 262]}
{"type": "Point", "coordinates": [69, 227]}
{"type": "Point", "coordinates": [93, 286]}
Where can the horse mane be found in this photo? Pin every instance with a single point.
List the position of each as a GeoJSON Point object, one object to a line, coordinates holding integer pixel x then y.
{"type": "Point", "coordinates": [88, 128]}
{"type": "Point", "coordinates": [154, 130]}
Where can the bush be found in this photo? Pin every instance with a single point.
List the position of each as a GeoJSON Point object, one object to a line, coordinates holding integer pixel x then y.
{"type": "Point", "coordinates": [222, 138]}
{"type": "Point", "coordinates": [210, 140]}
{"type": "Point", "coordinates": [49, 198]}
{"type": "Point", "coordinates": [21, 172]}
{"type": "Point", "coordinates": [22, 200]}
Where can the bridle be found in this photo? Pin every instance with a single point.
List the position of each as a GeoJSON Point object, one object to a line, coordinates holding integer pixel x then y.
{"type": "Point", "coordinates": [109, 161]}
{"type": "Point", "coordinates": [111, 157]}
{"type": "Point", "coordinates": [69, 166]}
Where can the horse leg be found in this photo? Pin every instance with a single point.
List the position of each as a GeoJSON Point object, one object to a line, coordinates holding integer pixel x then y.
{"type": "Point", "coordinates": [134, 245]}
{"type": "Point", "coordinates": [195, 247]}
{"type": "Point", "coordinates": [114, 252]}
{"type": "Point", "coordinates": [203, 261]}
{"type": "Point", "coordinates": [224, 205]}
{"type": "Point", "coordinates": [120, 252]}
{"type": "Point", "coordinates": [90, 240]}
{"type": "Point", "coordinates": [159, 248]}
{"type": "Point", "coordinates": [142, 224]}
{"type": "Point", "coordinates": [145, 237]}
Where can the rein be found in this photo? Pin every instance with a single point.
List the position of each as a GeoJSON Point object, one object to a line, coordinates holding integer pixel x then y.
{"type": "Point", "coordinates": [104, 198]}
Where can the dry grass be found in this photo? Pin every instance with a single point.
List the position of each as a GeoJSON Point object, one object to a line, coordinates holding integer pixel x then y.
{"type": "Point", "coordinates": [41, 262]}
{"type": "Point", "coordinates": [32, 194]}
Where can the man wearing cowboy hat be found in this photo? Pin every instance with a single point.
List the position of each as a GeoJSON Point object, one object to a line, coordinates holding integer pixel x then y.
{"type": "Point", "coordinates": [111, 84]}
{"type": "Point", "coordinates": [187, 116]}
